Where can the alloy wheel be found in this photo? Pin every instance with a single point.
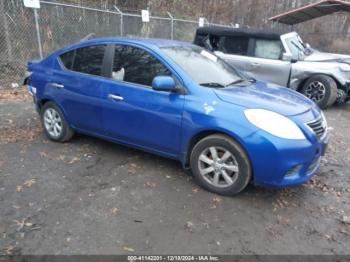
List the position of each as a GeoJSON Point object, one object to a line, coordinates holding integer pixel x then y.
{"type": "Point", "coordinates": [52, 122]}
{"type": "Point", "coordinates": [316, 91]}
{"type": "Point", "coordinates": [218, 167]}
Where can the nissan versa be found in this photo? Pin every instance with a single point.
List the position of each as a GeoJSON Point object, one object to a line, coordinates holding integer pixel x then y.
{"type": "Point", "coordinates": [180, 101]}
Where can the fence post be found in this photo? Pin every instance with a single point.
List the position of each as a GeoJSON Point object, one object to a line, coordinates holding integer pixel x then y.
{"type": "Point", "coordinates": [121, 19]}
{"type": "Point", "coordinates": [6, 29]}
{"type": "Point", "coordinates": [38, 32]}
{"type": "Point", "coordinates": [206, 20]}
{"type": "Point", "coordinates": [171, 26]}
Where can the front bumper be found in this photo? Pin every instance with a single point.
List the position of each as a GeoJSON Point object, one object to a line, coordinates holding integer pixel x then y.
{"type": "Point", "coordinates": [279, 163]}
{"type": "Point", "coordinates": [347, 90]}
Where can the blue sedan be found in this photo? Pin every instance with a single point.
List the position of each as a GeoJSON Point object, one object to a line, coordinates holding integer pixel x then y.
{"type": "Point", "coordinates": [180, 101]}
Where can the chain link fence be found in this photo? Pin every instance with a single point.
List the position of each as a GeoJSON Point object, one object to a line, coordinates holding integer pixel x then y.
{"type": "Point", "coordinates": [60, 24]}
{"type": "Point", "coordinates": [25, 36]}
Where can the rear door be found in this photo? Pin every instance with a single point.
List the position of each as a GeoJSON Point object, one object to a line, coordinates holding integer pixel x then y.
{"type": "Point", "coordinates": [133, 112]}
{"type": "Point", "coordinates": [265, 61]}
{"type": "Point", "coordinates": [76, 86]}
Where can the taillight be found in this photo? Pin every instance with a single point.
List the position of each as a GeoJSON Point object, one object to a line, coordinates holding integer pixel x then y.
{"type": "Point", "coordinates": [27, 75]}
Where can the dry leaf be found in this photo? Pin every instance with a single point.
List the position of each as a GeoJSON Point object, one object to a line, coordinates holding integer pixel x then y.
{"type": "Point", "coordinates": [129, 249]}
{"type": "Point", "coordinates": [29, 183]}
{"type": "Point", "coordinates": [114, 210]}
{"type": "Point", "coordinates": [19, 188]}
{"type": "Point", "coordinates": [20, 223]}
{"type": "Point", "coordinates": [9, 250]}
{"type": "Point", "coordinates": [189, 226]}
{"type": "Point", "coordinates": [150, 184]}
{"type": "Point", "coordinates": [61, 157]}
{"type": "Point", "coordinates": [43, 154]}
{"type": "Point", "coordinates": [75, 159]}
{"type": "Point", "coordinates": [346, 220]}
{"type": "Point", "coordinates": [283, 220]}
{"type": "Point", "coordinates": [195, 190]}
{"type": "Point", "coordinates": [217, 200]}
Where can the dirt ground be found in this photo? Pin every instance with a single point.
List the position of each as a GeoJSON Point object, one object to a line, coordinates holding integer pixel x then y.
{"type": "Point", "coordinates": [93, 197]}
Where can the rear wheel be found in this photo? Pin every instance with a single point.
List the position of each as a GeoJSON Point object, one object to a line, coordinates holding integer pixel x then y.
{"type": "Point", "coordinates": [321, 89]}
{"type": "Point", "coordinates": [220, 165]}
{"type": "Point", "coordinates": [55, 125]}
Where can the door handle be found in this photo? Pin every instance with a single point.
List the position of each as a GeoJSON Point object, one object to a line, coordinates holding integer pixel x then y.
{"type": "Point", "coordinates": [255, 65]}
{"type": "Point", "coordinates": [115, 97]}
{"type": "Point", "coordinates": [59, 86]}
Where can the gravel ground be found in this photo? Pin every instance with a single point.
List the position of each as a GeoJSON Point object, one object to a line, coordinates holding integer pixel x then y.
{"type": "Point", "coordinates": [94, 197]}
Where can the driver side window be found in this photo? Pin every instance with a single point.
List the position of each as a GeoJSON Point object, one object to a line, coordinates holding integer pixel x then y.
{"type": "Point", "coordinates": [135, 65]}
{"type": "Point", "coordinates": [235, 45]}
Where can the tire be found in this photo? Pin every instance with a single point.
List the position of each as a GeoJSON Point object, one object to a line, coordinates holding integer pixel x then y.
{"type": "Point", "coordinates": [236, 166]}
{"type": "Point", "coordinates": [51, 124]}
{"type": "Point", "coordinates": [341, 97]}
{"type": "Point", "coordinates": [321, 89]}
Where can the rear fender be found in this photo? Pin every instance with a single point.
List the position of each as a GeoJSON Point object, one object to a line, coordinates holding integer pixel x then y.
{"type": "Point", "coordinates": [30, 67]}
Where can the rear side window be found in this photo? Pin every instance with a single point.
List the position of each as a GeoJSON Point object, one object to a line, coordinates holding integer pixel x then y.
{"type": "Point", "coordinates": [135, 65]}
{"type": "Point", "coordinates": [199, 40]}
{"type": "Point", "coordinates": [67, 59]}
{"type": "Point", "coordinates": [86, 60]}
{"type": "Point", "coordinates": [233, 45]}
{"type": "Point", "coordinates": [89, 59]}
{"type": "Point", "coordinates": [269, 49]}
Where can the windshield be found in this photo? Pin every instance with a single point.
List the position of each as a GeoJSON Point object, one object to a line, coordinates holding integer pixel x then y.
{"type": "Point", "coordinates": [203, 67]}
{"type": "Point", "coordinates": [297, 46]}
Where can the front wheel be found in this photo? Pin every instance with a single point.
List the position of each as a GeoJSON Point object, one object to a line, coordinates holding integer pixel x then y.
{"type": "Point", "coordinates": [220, 165]}
{"type": "Point", "coordinates": [321, 89]}
{"type": "Point", "coordinates": [341, 97]}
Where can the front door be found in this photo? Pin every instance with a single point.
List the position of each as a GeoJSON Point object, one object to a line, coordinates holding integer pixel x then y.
{"type": "Point", "coordinates": [259, 58]}
{"type": "Point", "coordinates": [136, 114]}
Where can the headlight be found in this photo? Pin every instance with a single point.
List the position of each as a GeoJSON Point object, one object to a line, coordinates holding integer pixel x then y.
{"type": "Point", "coordinates": [274, 123]}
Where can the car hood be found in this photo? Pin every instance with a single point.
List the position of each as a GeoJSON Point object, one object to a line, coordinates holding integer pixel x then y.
{"type": "Point", "coordinates": [266, 96]}
{"type": "Point", "coordinates": [327, 57]}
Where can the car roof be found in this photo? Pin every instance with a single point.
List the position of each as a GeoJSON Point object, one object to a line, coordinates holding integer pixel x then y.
{"type": "Point", "coordinates": [249, 32]}
{"type": "Point", "coordinates": [150, 42]}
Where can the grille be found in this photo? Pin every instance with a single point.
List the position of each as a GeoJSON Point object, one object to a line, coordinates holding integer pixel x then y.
{"type": "Point", "coordinates": [318, 126]}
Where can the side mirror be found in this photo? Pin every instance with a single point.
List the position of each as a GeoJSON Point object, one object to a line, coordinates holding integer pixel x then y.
{"type": "Point", "coordinates": [289, 57]}
{"type": "Point", "coordinates": [164, 83]}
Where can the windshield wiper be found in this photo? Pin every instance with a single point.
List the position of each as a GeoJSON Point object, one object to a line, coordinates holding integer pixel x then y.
{"type": "Point", "coordinates": [297, 46]}
{"type": "Point", "coordinates": [236, 82]}
{"type": "Point", "coordinates": [212, 84]}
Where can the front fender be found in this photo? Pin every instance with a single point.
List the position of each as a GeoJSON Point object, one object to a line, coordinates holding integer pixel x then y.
{"type": "Point", "coordinates": [213, 116]}
{"type": "Point", "coordinates": [303, 70]}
